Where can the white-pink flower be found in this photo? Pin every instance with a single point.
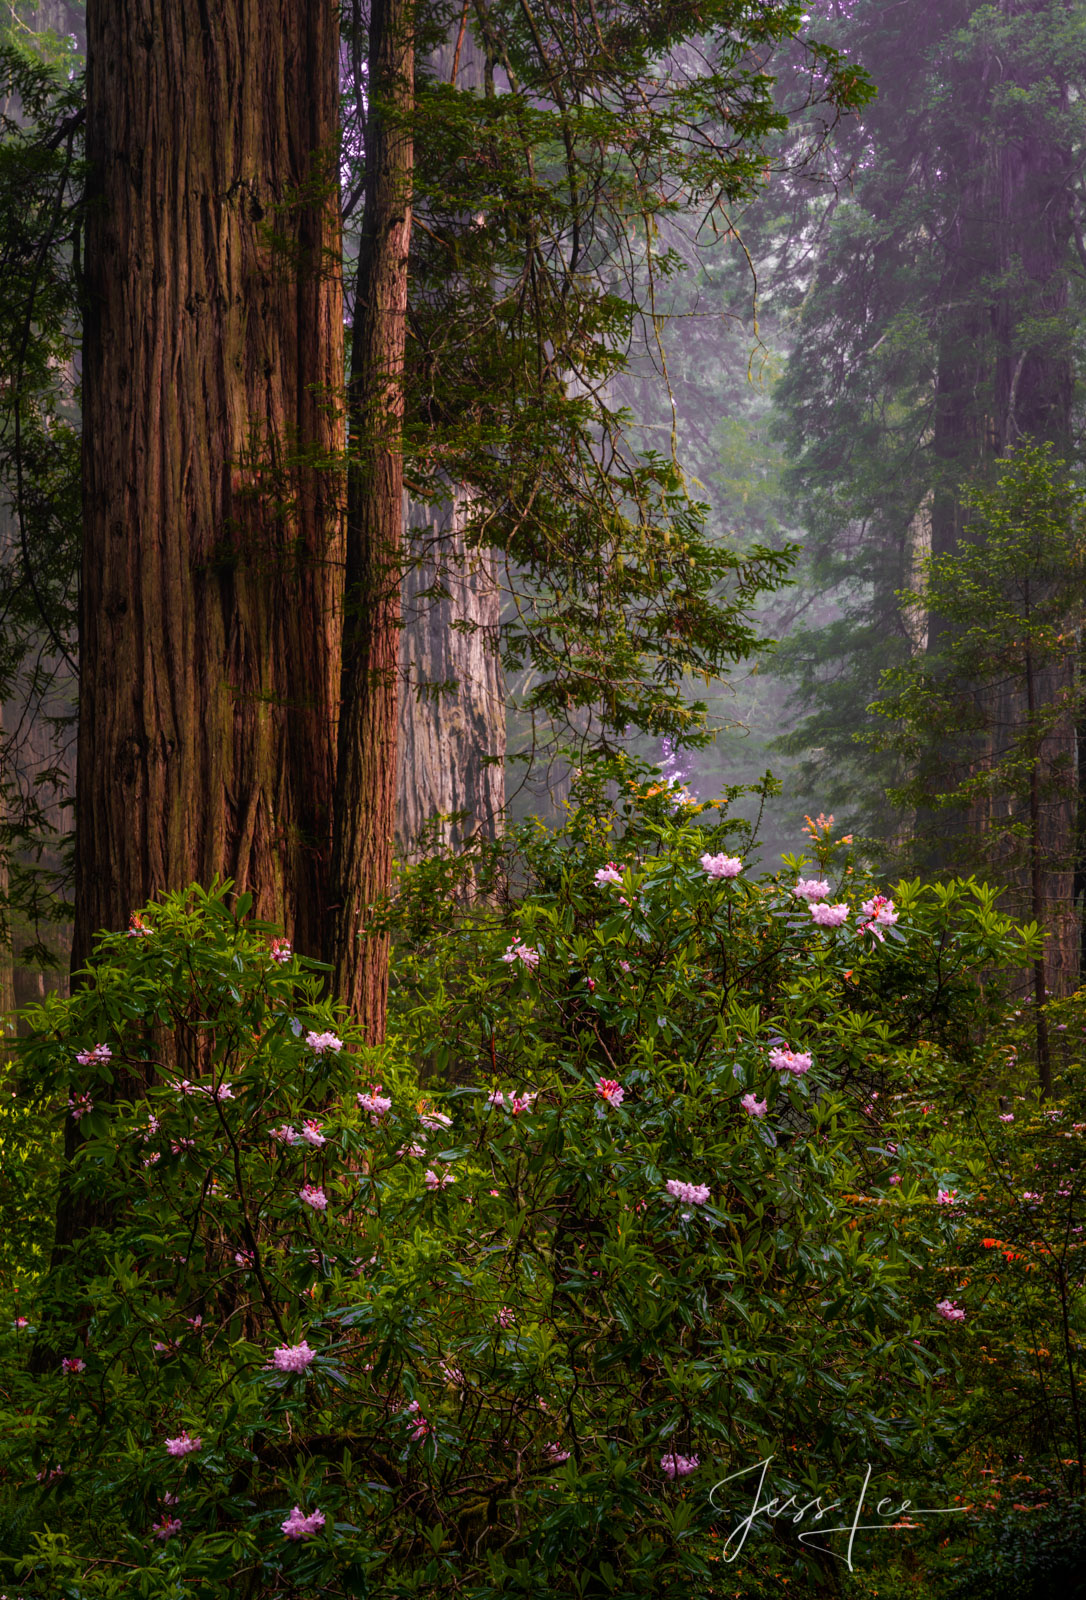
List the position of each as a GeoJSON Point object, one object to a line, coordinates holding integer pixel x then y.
{"type": "Point", "coordinates": [434, 1182]}
{"type": "Point", "coordinates": [320, 1042]}
{"type": "Point", "coordinates": [829, 916]}
{"type": "Point", "coordinates": [947, 1197]}
{"type": "Point", "coordinates": [80, 1106]}
{"type": "Point", "coordinates": [518, 951]}
{"type": "Point", "coordinates": [676, 1466]}
{"type": "Point", "coordinates": [753, 1107]}
{"type": "Point", "coordinates": [183, 1445]}
{"type": "Point", "coordinates": [285, 1134]}
{"type": "Point", "coordinates": [435, 1121]}
{"type": "Point", "coordinates": [378, 1105]}
{"type": "Point", "coordinates": [810, 889]}
{"type": "Point", "coordinates": [610, 1091]}
{"type": "Point", "coordinates": [495, 1098]}
{"type": "Point", "coordinates": [882, 915]}
{"type": "Point", "coordinates": [506, 1317]}
{"type": "Point", "coordinates": [100, 1054]}
{"type": "Point", "coordinates": [555, 1454]}
{"type": "Point", "coordinates": [608, 874]}
{"type": "Point", "coordinates": [895, 1178]}
{"type": "Point", "coordinates": [280, 950]}
{"type": "Point", "coordinates": [292, 1357]}
{"type": "Point", "coordinates": [949, 1311]}
{"type": "Point", "coordinates": [785, 1060]}
{"type": "Point", "coordinates": [167, 1527]}
{"type": "Point", "coordinates": [300, 1526]}
{"type": "Point", "coordinates": [1007, 1116]}
{"type": "Point", "coordinates": [310, 1195]}
{"type": "Point", "coordinates": [73, 1364]}
{"type": "Point", "coordinates": [721, 866]}
{"type": "Point", "coordinates": [452, 1375]}
{"type": "Point", "coordinates": [415, 1151]}
{"type": "Point", "coordinates": [691, 1194]}
{"type": "Point", "coordinates": [312, 1134]}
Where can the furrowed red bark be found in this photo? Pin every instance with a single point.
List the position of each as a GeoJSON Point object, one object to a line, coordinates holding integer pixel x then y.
{"type": "Point", "coordinates": [212, 363]}
{"type": "Point", "coordinates": [365, 806]}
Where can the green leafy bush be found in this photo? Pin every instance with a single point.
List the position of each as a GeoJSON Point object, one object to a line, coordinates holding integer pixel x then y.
{"type": "Point", "coordinates": [316, 1332]}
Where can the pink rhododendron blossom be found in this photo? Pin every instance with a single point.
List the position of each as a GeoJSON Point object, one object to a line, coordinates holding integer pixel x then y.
{"type": "Point", "coordinates": [721, 866]}
{"type": "Point", "coordinates": [625, 965]}
{"type": "Point", "coordinates": [280, 951]}
{"type": "Point", "coordinates": [881, 913]}
{"type": "Point", "coordinates": [610, 1091]}
{"type": "Point", "coordinates": [1007, 1116]}
{"type": "Point", "coordinates": [1029, 1195]}
{"type": "Point", "coordinates": [22, 1322]}
{"type": "Point", "coordinates": [320, 1042]}
{"type": "Point", "coordinates": [167, 1527]}
{"type": "Point", "coordinates": [495, 1098]}
{"type": "Point", "coordinates": [310, 1195]}
{"type": "Point", "coordinates": [829, 916]}
{"type": "Point", "coordinates": [947, 1197]}
{"type": "Point", "coordinates": [137, 928]}
{"type": "Point", "coordinates": [415, 1151]}
{"type": "Point", "coordinates": [519, 951]}
{"type": "Point", "coordinates": [80, 1105]}
{"type": "Point", "coordinates": [692, 1194]}
{"type": "Point", "coordinates": [506, 1317]}
{"type": "Point", "coordinates": [608, 874]}
{"type": "Point", "coordinates": [895, 1178]}
{"type": "Point", "coordinates": [177, 1146]}
{"type": "Point", "coordinates": [73, 1364]}
{"type": "Point", "coordinates": [753, 1107]}
{"type": "Point", "coordinates": [100, 1054]}
{"type": "Point", "coordinates": [949, 1311]}
{"type": "Point", "coordinates": [810, 889]}
{"type": "Point", "coordinates": [244, 1258]}
{"type": "Point", "coordinates": [785, 1060]}
{"type": "Point", "coordinates": [312, 1134]}
{"type": "Point", "coordinates": [183, 1445]}
{"type": "Point", "coordinates": [522, 1102]}
{"type": "Point", "coordinates": [286, 1134]}
{"type": "Point", "coordinates": [555, 1454]}
{"type": "Point", "coordinates": [292, 1357]}
{"type": "Point", "coordinates": [299, 1526]}
{"type": "Point", "coordinates": [434, 1121]}
{"type": "Point", "coordinates": [378, 1105]}
{"type": "Point", "coordinates": [676, 1466]}
{"type": "Point", "coordinates": [432, 1180]}
{"type": "Point", "coordinates": [452, 1375]}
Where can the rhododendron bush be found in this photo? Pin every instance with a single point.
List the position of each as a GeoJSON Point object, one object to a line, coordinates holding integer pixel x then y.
{"type": "Point", "coordinates": [490, 1309]}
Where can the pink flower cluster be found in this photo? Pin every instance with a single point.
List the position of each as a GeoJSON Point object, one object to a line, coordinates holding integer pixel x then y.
{"type": "Point", "coordinates": [80, 1105]}
{"type": "Point", "coordinates": [949, 1311]}
{"type": "Point", "coordinates": [676, 1466]}
{"type": "Point", "coordinates": [167, 1527]}
{"type": "Point", "coordinates": [292, 1357]}
{"type": "Point", "coordinates": [810, 889]}
{"type": "Point", "coordinates": [829, 916]}
{"type": "Point", "coordinates": [183, 1445]}
{"type": "Point", "coordinates": [376, 1104]}
{"type": "Point", "coordinates": [515, 1102]}
{"type": "Point", "coordinates": [753, 1107]}
{"type": "Point", "coordinates": [100, 1054]}
{"type": "Point", "coordinates": [691, 1194]}
{"type": "Point", "coordinates": [610, 1091]}
{"type": "Point", "coordinates": [608, 874]}
{"type": "Point", "coordinates": [519, 951]}
{"type": "Point", "coordinates": [947, 1197]}
{"type": "Point", "coordinates": [435, 1121]}
{"type": "Point", "coordinates": [721, 866]}
{"type": "Point", "coordinates": [73, 1364]}
{"type": "Point", "coordinates": [555, 1454]}
{"type": "Point", "coordinates": [299, 1526]}
{"type": "Point", "coordinates": [320, 1042]}
{"type": "Point", "coordinates": [310, 1195]}
{"type": "Point", "coordinates": [506, 1317]}
{"type": "Point", "coordinates": [280, 951]}
{"type": "Point", "coordinates": [781, 1059]}
{"type": "Point", "coordinates": [880, 913]}
{"type": "Point", "coordinates": [433, 1181]}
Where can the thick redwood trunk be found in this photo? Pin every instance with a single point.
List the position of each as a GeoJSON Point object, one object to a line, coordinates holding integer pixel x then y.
{"type": "Point", "coordinates": [212, 357]}
{"type": "Point", "coordinates": [366, 773]}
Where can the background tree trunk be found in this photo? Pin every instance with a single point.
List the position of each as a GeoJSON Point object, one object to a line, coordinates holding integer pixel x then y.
{"type": "Point", "coordinates": [365, 805]}
{"type": "Point", "coordinates": [451, 746]}
{"type": "Point", "coordinates": [212, 363]}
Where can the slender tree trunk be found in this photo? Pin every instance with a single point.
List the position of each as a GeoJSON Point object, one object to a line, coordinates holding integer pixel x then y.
{"type": "Point", "coordinates": [366, 771]}
{"type": "Point", "coordinates": [212, 363]}
{"type": "Point", "coordinates": [1037, 886]}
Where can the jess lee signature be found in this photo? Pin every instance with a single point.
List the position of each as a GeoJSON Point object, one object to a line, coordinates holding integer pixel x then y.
{"type": "Point", "coordinates": [814, 1510]}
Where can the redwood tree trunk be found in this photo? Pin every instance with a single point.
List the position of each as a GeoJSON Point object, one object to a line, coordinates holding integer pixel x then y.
{"type": "Point", "coordinates": [212, 358]}
{"type": "Point", "coordinates": [366, 773]}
